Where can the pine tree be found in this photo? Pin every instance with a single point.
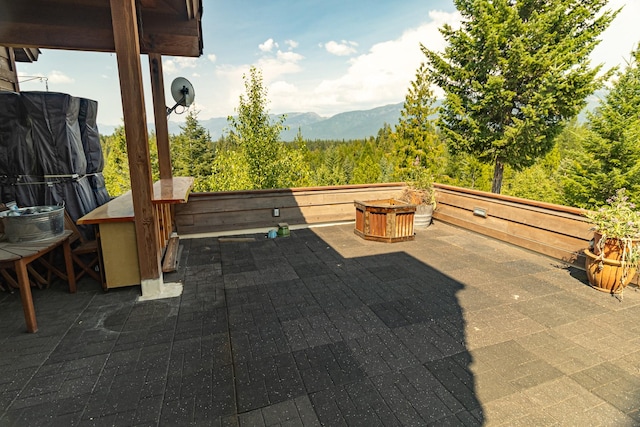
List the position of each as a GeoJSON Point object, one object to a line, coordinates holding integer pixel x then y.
{"type": "Point", "coordinates": [609, 157]}
{"type": "Point", "coordinates": [513, 74]}
{"type": "Point", "coordinates": [417, 144]}
{"type": "Point", "coordinates": [192, 151]}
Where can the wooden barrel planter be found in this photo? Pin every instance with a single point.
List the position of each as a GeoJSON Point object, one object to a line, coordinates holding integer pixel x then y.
{"type": "Point", "coordinates": [386, 220]}
{"type": "Point", "coordinates": [423, 216]}
{"type": "Point", "coordinates": [607, 275]}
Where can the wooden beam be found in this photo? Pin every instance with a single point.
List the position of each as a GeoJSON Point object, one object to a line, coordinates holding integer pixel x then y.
{"type": "Point", "coordinates": [160, 115]}
{"type": "Point", "coordinates": [125, 31]}
{"type": "Point", "coordinates": [87, 26]}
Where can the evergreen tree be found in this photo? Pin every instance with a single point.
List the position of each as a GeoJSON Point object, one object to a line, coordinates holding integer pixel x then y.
{"type": "Point", "coordinates": [609, 157]}
{"type": "Point", "coordinates": [192, 152]}
{"type": "Point", "coordinates": [513, 74]}
{"type": "Point", "coordinates": [418, 147]}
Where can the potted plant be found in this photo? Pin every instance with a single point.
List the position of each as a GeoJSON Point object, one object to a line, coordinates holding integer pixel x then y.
{"type": "Point", "coordinates": [614, 253]}
{"type": "Point", "coordinates": [420, 192]}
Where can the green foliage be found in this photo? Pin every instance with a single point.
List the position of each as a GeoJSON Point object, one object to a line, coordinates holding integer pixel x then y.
{"type": "Point", "coordinates": [268, 162]}
{"type": "Point", "coordinates": [465, 170]}
{"type": "Point", "coordinates": [618, 218]}
{"type": "Point", "coordinates": [330, 167]}
{"type": "Point", "coordinates": [229, 172]}
{"type": "Point", "coordinates": [609, 156]}
{"type": "Point", "coordinates": [116, 169]}
{"type": "Point", "coordinates": [538, 182]}
{"type": "Point", "coordinates": [417, 144]}
{"type": "Point", "coordinates": [192, 152]}
{"type": "Point", "coordinates": [513, 74]}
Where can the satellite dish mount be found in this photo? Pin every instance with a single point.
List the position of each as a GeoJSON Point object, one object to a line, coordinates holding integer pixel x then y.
{"type": "Point", "coordinates": [182, 92]}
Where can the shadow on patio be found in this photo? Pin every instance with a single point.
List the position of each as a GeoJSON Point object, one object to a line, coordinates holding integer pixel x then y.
{"type": "Point", "coordinates": [326, 328]}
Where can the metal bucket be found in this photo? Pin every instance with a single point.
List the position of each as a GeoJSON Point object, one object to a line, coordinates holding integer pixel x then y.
{"type": "Point", "coordinates": [33, 223]}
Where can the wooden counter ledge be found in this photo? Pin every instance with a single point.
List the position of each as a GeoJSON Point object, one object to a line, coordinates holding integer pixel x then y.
{"type": "Point", "coordinates": [165, 191]}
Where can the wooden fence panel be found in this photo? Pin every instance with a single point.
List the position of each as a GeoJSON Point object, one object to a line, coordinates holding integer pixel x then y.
{"type": "Point", "coordinates": [236, 210]}
{"type": "Point", "coordinates": [557, 231]}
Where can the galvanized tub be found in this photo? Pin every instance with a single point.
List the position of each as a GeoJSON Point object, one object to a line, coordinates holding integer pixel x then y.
{"type": "Point", "coordinates": [33, 223]}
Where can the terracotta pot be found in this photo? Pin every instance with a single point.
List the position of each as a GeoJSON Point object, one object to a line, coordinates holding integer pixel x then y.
{"type": "Point", "coordinates": [612, 247]}
{"type": "Point", "coordinates": [606, 275]}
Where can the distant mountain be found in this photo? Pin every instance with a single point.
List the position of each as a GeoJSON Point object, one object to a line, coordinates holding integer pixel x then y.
{"type": "Point", "coordinates": [349, 125]}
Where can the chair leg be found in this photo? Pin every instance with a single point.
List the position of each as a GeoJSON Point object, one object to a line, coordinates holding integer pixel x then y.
{"type": "Point", "coordinates": [87, 268]}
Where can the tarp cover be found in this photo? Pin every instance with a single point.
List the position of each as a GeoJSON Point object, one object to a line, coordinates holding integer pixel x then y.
{"type": "Point", "coordinates": [56, 132]}
{"type": "Point", "coordinates": [77, 197]}
{"type": "Point", "coordinates": [42, 152]}
{"type": "Point", "coordinates": [100, 192]}
{"type": "Point", "coordinates": [28, 190]}
{"type": "Point", "coordinates": [17, 154]}
{"type": "Point", "coordinates": [90, 135]}
{"type": "Point", "coordinates": [20, 174]}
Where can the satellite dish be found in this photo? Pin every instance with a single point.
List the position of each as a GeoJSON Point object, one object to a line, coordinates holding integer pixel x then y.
{"type": "Point", "coordinates": [182, 92]}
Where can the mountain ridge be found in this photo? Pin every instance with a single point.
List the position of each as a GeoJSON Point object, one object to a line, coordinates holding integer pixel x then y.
{"type": "Point", "coordinates": [357, 124]}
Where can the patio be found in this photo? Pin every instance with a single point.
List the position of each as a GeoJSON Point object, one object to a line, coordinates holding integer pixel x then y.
{"type": "Point", "coordinates": [324, 328]}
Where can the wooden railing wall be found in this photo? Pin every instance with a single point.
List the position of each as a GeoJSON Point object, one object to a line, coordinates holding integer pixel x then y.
{"type": "Point", "coordinates": [237, 210]}
{"type": "Point", "coordinates": [560, 232]}
{"type": "Point", "coordinates": [557, 231]}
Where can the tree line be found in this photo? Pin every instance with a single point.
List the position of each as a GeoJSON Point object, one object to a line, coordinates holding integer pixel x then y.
{"type": "Point", "coordinates": [514, 76]}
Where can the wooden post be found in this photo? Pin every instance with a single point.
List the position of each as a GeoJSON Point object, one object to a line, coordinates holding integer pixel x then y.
{"type": "Point", "coordinates": [127, 44]}
{"type": "Point", "coordinates": [160, 114]}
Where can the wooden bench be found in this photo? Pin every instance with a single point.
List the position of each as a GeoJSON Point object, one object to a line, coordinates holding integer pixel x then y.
{"type": "Point", "coordinates": [19, 255]}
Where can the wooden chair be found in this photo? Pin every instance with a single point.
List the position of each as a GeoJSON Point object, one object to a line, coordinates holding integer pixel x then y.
{"type": "Point", "coordinates": [84, 252]}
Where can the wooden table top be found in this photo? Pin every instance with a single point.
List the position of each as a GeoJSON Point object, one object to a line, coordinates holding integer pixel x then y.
{"type": "Point", "coordinates": [14, 251]}
{"type": "Point", "coordinates": [172, 190]}
{"type": "Point", "coordinates": [165, 191]}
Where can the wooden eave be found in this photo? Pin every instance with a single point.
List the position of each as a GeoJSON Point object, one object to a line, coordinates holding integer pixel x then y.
{"type": "Point", "coordinates": [167, 27]}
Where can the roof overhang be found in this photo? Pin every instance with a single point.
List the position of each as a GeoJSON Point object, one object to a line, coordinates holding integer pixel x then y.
{"type": "Point", "coordinates": [26, 54]}
{"type": "Point", "coordinates": [166, 27]}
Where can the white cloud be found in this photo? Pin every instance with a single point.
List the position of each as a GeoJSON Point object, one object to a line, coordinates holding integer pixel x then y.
{"type": "Point", "coordinates": [380, 76]}
{"type": "Point", "coordinates": [178, 63]}
{"type": "Point", "coordinates": [344, 48]}
{"type": "Point", "coordinates": [268, 45]}
{"type": "Point", "coordinates": [282, 63]}
{"type": "Point", "coordinates": [383, 74]}
{"type": "Point", "coordinates": [59, 77]}
{"type": "Point", "coordinates": [282, 88]}
{"type": "Point", "coordinates": [211, 57]}
{"type": "Point", "coordinates": [291, 43]}
{"type": "Point", "coordinates": [622, 36]}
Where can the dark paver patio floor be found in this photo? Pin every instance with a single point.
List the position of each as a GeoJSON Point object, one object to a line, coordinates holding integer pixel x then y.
{"type": "Point", "coordinates": [324, 328]}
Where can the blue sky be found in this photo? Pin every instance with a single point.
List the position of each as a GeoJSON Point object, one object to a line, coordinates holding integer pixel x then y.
{"type": "Point", "coordinates": [317, 56]}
